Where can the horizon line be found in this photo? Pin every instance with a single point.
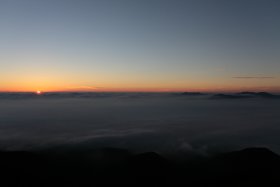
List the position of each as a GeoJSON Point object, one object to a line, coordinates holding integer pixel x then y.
{"type": "Point", "coordinates": [221, 91]}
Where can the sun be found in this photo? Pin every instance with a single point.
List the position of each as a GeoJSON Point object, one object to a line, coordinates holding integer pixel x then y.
{"type": "Point", "coordinates": [38, 92]}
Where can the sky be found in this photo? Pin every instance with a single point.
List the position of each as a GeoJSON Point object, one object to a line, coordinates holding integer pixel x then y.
{"type": "Point", "coordinates": [139, 45]}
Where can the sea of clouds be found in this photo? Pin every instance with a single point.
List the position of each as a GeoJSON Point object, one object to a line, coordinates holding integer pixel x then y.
{"type": "Point", "coordinates": [167, 123]}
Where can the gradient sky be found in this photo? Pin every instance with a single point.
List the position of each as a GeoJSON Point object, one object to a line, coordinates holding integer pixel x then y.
{"type": "Point", "coordinates": [139, 45]}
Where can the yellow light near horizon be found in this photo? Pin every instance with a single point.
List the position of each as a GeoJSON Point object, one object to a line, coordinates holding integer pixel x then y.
{"type": "Point", "coordinates": [38, 92]}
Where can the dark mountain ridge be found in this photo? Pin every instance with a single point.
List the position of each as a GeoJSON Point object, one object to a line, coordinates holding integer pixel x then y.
{"type": "Point", "coordinates": [118, 166]}
{"type": "Point", "coordinates": [246, 95]}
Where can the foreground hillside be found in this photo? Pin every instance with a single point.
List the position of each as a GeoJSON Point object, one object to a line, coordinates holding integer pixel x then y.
{"type": "Point", "coordinates": [252, 166]}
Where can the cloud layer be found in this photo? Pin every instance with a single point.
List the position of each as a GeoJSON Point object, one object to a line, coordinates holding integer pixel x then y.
{"type": "Point", "coordinates": [141, 122]}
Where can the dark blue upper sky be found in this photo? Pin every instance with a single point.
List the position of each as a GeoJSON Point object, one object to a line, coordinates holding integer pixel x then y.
{"type": "Point", "coordinates": [152, 45]}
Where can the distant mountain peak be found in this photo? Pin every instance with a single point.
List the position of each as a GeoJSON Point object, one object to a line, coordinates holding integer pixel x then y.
{"type": "Point", "coordinates": [193, 93]}
{"type": "Point", "coordinates": [244, 95]}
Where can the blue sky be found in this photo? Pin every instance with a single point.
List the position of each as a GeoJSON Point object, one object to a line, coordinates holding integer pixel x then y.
{"type": "Point", "coordinates": [133, 45]}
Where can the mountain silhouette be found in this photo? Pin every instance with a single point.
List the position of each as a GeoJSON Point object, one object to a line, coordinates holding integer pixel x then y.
{"type": "Point", "coordinates": [231, 96]}
{"type": "Point", "coordinates": [259, 94]}
{"type": "Point", "coordinates": [193, 93]}
{"type": "Point", "coordinates": [251, 166]}
{"type": "Point", "coordinates": [246, 95]}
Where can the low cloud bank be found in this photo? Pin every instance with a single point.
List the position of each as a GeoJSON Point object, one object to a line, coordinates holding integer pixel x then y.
{"type": "Point", "coordinates": [140, 122]}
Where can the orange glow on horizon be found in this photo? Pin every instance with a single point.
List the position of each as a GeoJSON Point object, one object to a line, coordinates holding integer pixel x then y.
{"type": "Point", "coordinates": [104, 86]}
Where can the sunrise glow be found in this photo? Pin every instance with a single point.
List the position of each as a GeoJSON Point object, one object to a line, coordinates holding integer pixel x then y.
{"type": "Point", "coordinates": [104, 47]}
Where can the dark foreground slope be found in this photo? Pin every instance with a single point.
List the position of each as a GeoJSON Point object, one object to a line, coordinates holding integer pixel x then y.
{"type": "Point", "coordinates": [248, 167]}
